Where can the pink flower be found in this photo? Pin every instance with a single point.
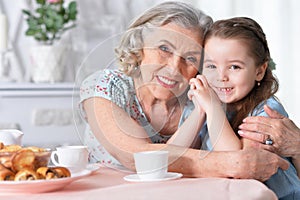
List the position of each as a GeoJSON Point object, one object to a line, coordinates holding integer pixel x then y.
{"type": "Point", "coordinates": [54, 1]}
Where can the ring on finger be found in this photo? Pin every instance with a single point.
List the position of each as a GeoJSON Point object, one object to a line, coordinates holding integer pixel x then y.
{"type": "Point", "coordinates": [269, 141]}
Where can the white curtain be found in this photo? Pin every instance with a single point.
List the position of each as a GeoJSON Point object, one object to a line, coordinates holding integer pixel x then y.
{"type": "Point", "coordinates": [280, 20]}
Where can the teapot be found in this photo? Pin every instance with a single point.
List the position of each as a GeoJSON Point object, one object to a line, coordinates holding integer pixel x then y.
{"type": "Point", "coordinates": [11, 136]}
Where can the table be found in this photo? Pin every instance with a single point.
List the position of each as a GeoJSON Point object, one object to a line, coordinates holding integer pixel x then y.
{"type": "Point", "coordinates": [108, 183]}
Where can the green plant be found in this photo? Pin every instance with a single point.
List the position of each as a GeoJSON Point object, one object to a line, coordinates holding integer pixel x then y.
{"type": "Point", "coordinates": [50, 20]}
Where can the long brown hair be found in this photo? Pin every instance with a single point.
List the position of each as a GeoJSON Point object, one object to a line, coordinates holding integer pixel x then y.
{"type": "Point", "coordinates": [251, 33]}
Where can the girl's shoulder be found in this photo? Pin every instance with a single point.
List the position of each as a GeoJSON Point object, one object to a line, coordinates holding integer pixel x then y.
{"type": "Point", "coordinates": [273, 103]}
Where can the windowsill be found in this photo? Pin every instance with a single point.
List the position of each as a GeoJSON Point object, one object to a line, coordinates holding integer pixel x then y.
{"type": "Point", "coordinates": [38, 89]}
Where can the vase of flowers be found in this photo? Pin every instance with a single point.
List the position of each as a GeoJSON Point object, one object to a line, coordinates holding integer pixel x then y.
{"type": "Point", "coordinates": [46, 24]}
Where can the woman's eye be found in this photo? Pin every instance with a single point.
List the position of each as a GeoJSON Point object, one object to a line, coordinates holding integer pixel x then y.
{"type": "Point", "coordinates": [164, 51]}
{"type": "Point", "coordinates": [191, 59]}
{"type": "Point", "coordinates": [164, 48]}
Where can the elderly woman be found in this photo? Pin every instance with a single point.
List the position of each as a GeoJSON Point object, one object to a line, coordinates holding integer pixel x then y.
{"type": "Point", "coordinates": [140, 106]}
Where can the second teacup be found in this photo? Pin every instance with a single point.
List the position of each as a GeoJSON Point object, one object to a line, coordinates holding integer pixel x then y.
{"type": "Point", "coordinates": [151, 164]}
{"type": "Point", "coordinates": [75, 158]}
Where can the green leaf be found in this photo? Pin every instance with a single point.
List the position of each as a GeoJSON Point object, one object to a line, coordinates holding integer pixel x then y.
{"type": "Point", "coordinates": [272, 64]}
{"type": "Point", "coordinates": [73, 6]}
{"type": "Point", "coordinates": [41, 2]}
{"type": "Point", "coordinates": [59, 23]}
{"type": "Point", "coordinates": [41, 11]}
{"type": "Point", "coordinates": [26, 12]}
{"type": "Point", "coordinates": [50, 13]}
{"type": "Point", "coordinates": [72, 16]}
{"type": "Point", "coordinates": [49, 22]}
{"type": "Point", "coordinates": [32, 23]}
{"type": "Point", "coordinates": [30, 32]}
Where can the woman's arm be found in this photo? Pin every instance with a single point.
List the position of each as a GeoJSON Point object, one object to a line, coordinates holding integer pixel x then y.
{"type": "Point", "coordinates": [221, 134]}
{"type": "Point", "coordinates": [122, 136]}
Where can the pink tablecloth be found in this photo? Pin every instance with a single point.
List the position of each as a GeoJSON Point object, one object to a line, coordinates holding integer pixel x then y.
{"type": "Point", "coordinates": [107, 183]}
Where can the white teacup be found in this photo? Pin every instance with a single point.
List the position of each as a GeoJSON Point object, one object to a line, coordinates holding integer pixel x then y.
{"type": "Point", "coordinates": [75, 158]}
{"type": "Point", "coordinates": [151, 164]}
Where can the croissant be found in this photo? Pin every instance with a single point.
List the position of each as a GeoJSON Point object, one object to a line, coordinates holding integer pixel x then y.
{"type": "Point", "coordinates": [62, 172]}
{"type": "Point", "coordinates": [53, 172]}
{"type": "Point", "coordinates": [26, 175]}
{"type": "Point", "coordinates": [46, 173]}
{"type": "Point", "coordinates": [6, 174]}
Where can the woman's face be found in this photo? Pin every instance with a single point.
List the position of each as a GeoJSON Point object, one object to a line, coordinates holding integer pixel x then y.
{"type": "Point", "coordinates": [229, 68]}
{"type": "Point", "coordinates": [171, 56]}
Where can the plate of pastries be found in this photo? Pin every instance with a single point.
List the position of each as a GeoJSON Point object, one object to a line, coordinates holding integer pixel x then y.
{"type": "Point", "coordinates": [25, 169]}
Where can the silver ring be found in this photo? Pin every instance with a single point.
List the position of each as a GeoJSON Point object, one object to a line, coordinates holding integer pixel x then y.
{"type": "Point", "coordinates": [269, 141]}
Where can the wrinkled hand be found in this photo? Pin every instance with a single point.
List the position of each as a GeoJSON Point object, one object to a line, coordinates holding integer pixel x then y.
{"type": "Point", "coordinates": [284, 133]}
{"type": "Point", "coordinates": [258, 164]}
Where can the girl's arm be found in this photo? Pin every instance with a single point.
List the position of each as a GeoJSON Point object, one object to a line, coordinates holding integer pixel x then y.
{"type": "Point", "coordinates": [187, 133]}
{"type": "Point", "coordinates": [221, 134]}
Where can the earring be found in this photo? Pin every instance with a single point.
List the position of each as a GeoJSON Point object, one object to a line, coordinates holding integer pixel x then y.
{"type": "Point", "coordinates": [258, 84]}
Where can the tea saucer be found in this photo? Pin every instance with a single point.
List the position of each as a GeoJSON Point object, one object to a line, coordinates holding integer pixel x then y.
{"type": "Point", "coordinates": [136, 178]}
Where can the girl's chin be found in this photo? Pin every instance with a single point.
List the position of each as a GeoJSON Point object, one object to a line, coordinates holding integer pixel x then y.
{"type": "Point", "coordinates": [226, 100]}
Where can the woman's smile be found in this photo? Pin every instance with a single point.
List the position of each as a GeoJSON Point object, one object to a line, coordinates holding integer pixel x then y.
{"type": "Point", "coordinates": [166, 82]}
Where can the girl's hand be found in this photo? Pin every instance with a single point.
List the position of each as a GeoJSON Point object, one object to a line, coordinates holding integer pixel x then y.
{"type": "Point", "coordinates": [202, 94]}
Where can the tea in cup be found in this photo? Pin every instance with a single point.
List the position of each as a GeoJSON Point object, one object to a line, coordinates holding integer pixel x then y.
{"type": "Point", "coordinates": [75, 158]}
{"type": "Point", "coordinates": [151, 164]}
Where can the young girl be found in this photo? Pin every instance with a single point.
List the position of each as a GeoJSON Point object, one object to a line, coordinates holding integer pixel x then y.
{"type": "Point", "coordinates": [236, 82]}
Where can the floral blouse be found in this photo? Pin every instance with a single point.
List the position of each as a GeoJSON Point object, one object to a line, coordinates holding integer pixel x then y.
{"type": "Point", "coordinates": [119, 88]}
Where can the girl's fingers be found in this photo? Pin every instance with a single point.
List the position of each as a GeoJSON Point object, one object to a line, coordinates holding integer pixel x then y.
{"type": "Point", "coordinates": [203, 80]}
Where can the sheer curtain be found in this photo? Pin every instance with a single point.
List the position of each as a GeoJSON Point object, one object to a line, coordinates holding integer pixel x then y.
{"type": "Point", "coordinates": [280, 21]}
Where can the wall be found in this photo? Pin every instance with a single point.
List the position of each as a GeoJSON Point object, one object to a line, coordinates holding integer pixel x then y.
{"type": "Point", "coordinates": [100, 22]}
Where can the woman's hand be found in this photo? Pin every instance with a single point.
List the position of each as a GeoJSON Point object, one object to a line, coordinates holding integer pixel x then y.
{"type": "Point", "coordinates": [257, 164]}
{"type": "Point", "coordinates": [283, 132]}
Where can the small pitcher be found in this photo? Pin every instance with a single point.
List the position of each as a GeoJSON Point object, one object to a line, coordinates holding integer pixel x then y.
{"type": "Point", "coordinates": [11, 136]}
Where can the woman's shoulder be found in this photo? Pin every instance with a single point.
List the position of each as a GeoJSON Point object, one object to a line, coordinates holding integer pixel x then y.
{"type": "Point", "coordinates": [102, 82]}
{"type": "Point", "coordinates": [273, 103]}
{"type": "Point", "coordinates": [104, 76]}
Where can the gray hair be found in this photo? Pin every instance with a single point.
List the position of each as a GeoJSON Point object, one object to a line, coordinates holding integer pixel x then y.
{"type": "Point", "coordinates": [129, 51]}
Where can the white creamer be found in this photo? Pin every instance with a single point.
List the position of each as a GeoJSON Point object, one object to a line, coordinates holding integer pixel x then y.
{"type": "Point", "coordinates": [11, 136]}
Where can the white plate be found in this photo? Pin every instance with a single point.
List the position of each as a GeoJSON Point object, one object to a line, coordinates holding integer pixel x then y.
{"type": "Point", "coordinates": [39, 186]}
{"type": "Point", "coordinates": [169, 176]}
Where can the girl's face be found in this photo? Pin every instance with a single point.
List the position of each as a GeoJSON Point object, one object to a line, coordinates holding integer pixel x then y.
{"type": "Point", "coordinates": [171, 56]}
{"type": "Point", "coordinates": [229, 68]}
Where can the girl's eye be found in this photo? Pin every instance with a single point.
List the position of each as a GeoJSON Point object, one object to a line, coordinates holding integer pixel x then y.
{"type": "Point", "coordinates": [210, 66]}
{"type": "Point", "coordinates": [235, 67]}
